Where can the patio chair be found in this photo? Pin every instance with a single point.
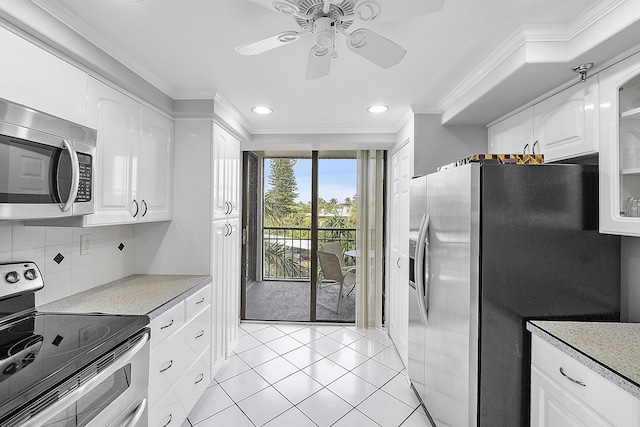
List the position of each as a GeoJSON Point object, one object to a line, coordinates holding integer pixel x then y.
{"type": "Point", "coordinates": [333, 273]}
{"type": "Point", "coordinates": [336, 248]}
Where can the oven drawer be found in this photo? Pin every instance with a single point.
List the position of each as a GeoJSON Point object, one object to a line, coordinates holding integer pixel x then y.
{"type": "Point", "coordinates": [175, 406]}
{"type": "Point", "coordinates": [171, 358]}
{"type": "Point", "coordinates": [167, 323]}
{"type": "Point", "coordinates": [198, 301]}
{"type": "Point", "coordinates": [138, 409]}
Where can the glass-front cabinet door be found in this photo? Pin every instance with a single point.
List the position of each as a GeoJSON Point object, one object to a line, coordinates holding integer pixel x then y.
{"type": "Point", "coordinates": [620, 148]}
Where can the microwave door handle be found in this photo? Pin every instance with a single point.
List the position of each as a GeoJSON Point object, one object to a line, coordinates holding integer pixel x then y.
{"type": "Point", "coordinates": [419, 266]}
{"type": "Point", "coordinates": [75, 176]}
{"type": "Point", "coordinates": [46, 414]}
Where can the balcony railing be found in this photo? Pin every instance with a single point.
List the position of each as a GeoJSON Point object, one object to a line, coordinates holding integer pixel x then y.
{"type": "Point", "coordinates": [287, 250]}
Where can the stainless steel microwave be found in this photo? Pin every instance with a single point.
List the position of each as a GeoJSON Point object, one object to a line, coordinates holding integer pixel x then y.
{"type": "Point", "coordinates": [47, 165]}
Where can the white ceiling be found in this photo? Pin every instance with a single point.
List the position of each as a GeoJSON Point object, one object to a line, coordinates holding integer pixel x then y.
{"type": "Point", "coordinates": [186, 49]}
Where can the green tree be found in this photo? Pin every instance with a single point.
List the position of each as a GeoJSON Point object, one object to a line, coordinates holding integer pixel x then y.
{"type": "Point", "coordinates": [279, 199]}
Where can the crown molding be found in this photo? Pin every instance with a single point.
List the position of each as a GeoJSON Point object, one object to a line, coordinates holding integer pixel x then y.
{"type": "Point", "coordinates": [557, 41]}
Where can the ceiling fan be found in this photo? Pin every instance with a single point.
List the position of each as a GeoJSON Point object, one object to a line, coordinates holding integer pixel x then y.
{"type": "Point", "coordinates": [324, 20]}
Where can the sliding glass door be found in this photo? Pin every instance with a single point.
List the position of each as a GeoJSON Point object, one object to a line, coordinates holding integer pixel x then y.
{"type": "Point", "coordinates": [297, 204]}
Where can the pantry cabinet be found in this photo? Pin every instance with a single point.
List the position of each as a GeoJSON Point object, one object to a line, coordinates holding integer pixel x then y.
{"type": "Point", "coordinates": [226, 173]}
{"type": "Point", "coordinates": [620, 148]}
{"type": "Point", "coordinates": [225, 266]}
{"type": "Point", "coordinates": [565, 392]}
{"type": "Point", "coordinates": [560, 127]}
{"type": "Point", "coordinates": [134, 160]}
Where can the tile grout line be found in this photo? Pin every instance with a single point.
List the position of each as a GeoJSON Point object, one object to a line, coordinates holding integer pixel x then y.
{"type": "Point", "coordinates": [343, 346]}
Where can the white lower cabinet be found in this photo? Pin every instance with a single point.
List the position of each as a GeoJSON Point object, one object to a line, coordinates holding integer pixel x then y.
{"type": "Point", "coordinates": [180, 360]}
{"type": "Point", "coordinates": [565, 392]}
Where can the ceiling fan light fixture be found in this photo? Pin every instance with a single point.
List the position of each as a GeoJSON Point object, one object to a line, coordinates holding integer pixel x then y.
{"type": "Point", "coordinates": [263, 111]}
{"type": "Point", "coordinates": [376, 109]}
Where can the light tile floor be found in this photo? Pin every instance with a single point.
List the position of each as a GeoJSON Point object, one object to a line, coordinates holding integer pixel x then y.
{"type": "Point", "coordinates": [319, 375]}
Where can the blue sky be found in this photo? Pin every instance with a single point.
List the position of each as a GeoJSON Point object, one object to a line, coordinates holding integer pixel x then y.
{"type": "Point", "coordinates": [337, 178]}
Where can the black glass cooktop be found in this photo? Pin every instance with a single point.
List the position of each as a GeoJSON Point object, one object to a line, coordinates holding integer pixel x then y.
{"type": "Point", "coordinates": [39, 350]}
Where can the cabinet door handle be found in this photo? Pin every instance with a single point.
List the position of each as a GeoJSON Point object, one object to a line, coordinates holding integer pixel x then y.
{"type": "Point", "coordinates": [533, 147]}
{"type": "Point", "coordinates": [146, 208]}
{"type": "Point", "coordinates": [200, 301]}
{"type": "Point", "coordinates": [137, 208]}
{"type": "Point", "coordinates": [200, 378]}
{"type": "Point", "coordinates": [573, 380]}
{"type": "Point", "coordinates": [201, 333]}
{"type": "Point", "coordinates": [167, 325]}
{"type": "Point", "coordinates": [168, 422]}
{"type": "Point", "coordinates": [168, 367]}
{"type": "Point", "coordinates": [524, 149]}
{"type": "Point", "coordinates": [398, 262]}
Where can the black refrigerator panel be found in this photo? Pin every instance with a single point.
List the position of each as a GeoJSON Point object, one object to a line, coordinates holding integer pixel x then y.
{"type": "Point", "coordinates": [541, 258]}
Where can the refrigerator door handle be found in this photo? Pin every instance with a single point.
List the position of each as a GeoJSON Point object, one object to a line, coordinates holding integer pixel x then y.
{"type": "Point", "coordinates": [419, 265]}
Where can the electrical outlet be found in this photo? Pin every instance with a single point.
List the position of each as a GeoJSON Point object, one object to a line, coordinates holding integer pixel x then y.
{"type": "Point", "coordinates": [85, 244]}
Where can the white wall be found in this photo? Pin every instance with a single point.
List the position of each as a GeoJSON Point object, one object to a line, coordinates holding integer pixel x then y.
{"type": "Point", "coordinates": [76, 273]}
{"type": "Point", "coordinates": [436, 145]}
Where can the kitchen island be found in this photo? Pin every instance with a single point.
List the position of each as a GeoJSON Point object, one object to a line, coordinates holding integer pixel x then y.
{"type": "Point", "coordinates": [585, 373]}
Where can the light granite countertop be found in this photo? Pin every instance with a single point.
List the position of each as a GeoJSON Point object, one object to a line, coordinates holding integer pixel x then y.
{"type": "Point", "coordinates": [142, 294]}
{"type": "Point", "coordinates": [610, 349]}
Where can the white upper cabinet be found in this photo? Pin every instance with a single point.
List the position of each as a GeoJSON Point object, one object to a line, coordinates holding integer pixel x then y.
{"type": "Point", "coordinates": [566, 125]}
{"type": "Point", "coordinates": [117, 119]}
{"type": "Point", "coordinates": [155, 166]}
{"type": "Point", "coordinates": [226, 174]}
{"type": "Point", "coordinates": [562, 126]}
{"type": "Point", "coordinates": [39, 80]}
{"type": "Point", "coordinates": [134, 160]}
{"type": "Point", "coordinates": [620, 148]}
{"type": "Point", "coordinates": [513, 135]}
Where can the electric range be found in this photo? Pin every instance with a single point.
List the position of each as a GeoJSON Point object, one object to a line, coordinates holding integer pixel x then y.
{"type": "Point", "coordinates": [45, 356]}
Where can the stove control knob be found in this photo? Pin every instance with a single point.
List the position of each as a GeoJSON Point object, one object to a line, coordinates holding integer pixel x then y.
{"type": "Point", "coordinates": [31, 274]}
{"type": "Point", "coordinates": [12, 277]}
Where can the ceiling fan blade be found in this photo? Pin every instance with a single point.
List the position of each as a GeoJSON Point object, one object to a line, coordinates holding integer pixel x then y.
{"type": "Point", "coordinates": [376, 48]}
{"type": "Point", "coordinates": [269, 43]}
{"type": "Point", "coordinates": [392, 10]}
{"type": "Point", "coordinates": [319, 63]}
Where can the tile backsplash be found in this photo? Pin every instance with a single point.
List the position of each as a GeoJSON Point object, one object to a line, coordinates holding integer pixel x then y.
{"type": "Point", "coordinates": [56, 250]}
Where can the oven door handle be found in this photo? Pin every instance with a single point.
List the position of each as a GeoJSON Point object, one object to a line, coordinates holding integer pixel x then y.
{"type": "Point", "coordinates": [75, 176]}
{"type": "Point", "coordinates": [49, 412]}
{"type": "Point", "coordinates": [138, 414]}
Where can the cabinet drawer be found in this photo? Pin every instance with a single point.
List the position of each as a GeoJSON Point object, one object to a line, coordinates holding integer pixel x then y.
{"type": "Point", "coordinates": [198, 301]}
{"type": "Point", "coordinates": [171, 358]}
{"type": "Point", "coordinates": [175, 406]}
{"type": "Point", "coordinates": [166, 323]}
{"type": "Point", "coordinates": [599, 394]}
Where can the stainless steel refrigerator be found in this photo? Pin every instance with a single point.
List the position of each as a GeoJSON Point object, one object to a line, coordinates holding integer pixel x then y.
{"type": "Point", "coordinates": [491, 247]}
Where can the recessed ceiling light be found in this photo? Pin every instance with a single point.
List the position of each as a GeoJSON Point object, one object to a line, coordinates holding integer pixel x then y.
{"type": "Point", "coordinates": [377, 109]}
{"type": "Point", "coordinates": [262, 110]}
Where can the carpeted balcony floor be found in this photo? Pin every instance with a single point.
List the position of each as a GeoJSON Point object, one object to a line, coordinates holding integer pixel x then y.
{"type": "Point", "coordinates": [289, 301]}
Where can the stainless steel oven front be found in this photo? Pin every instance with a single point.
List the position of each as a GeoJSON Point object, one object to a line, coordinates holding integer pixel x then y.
{"type": "Point", "coordinates": [113, 392]}
{"type": "Point", "coordinates": [46, 165]}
